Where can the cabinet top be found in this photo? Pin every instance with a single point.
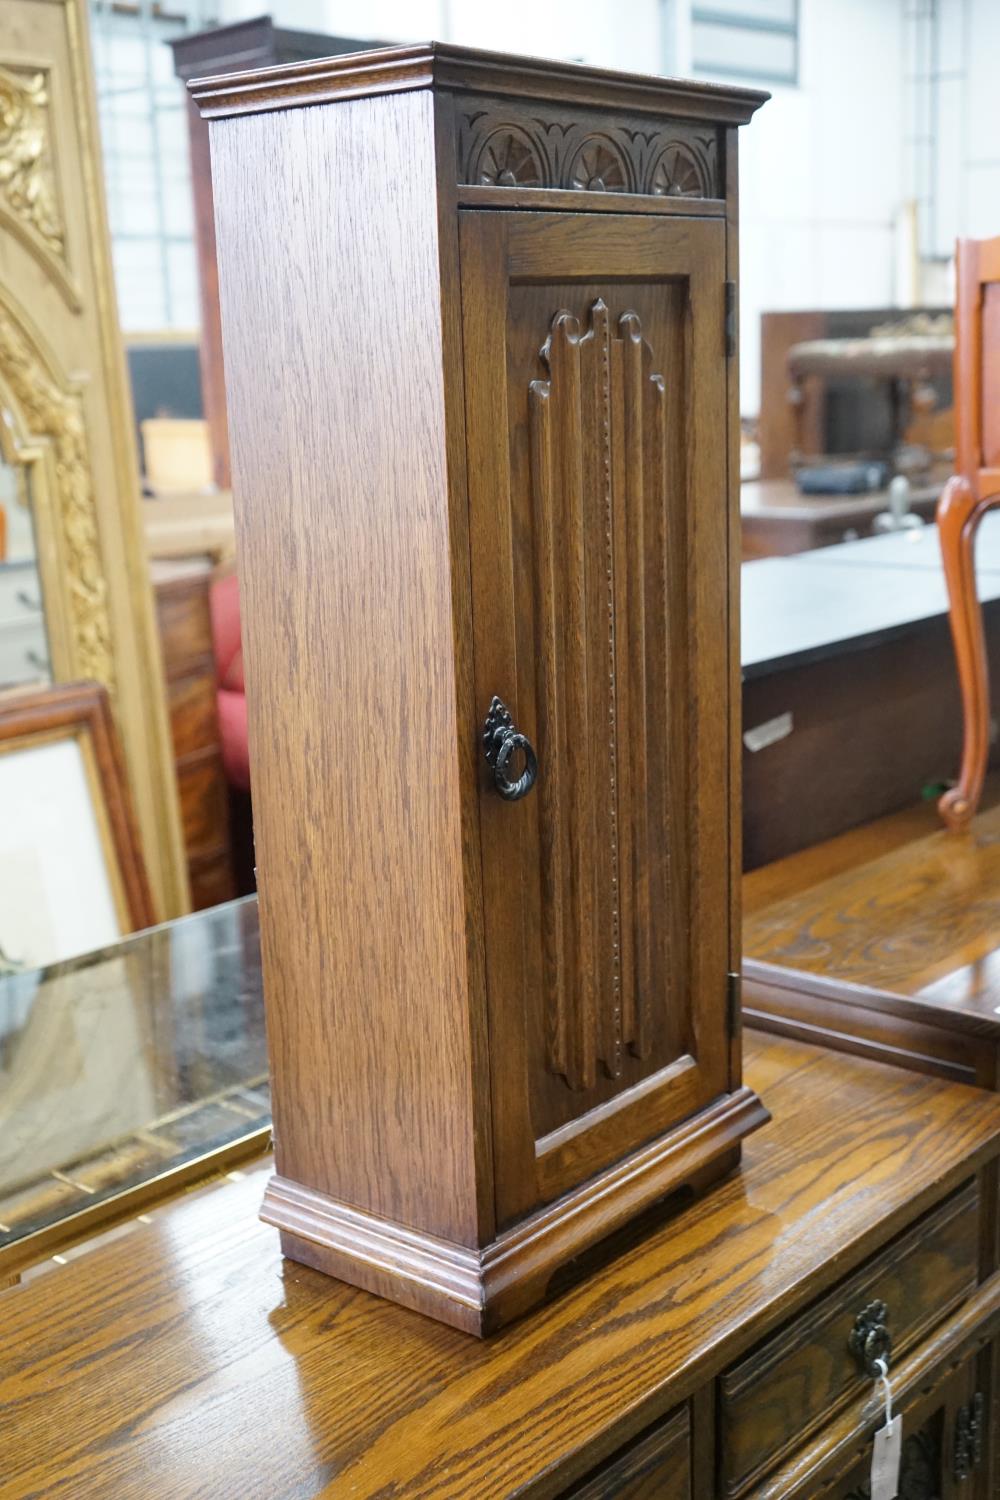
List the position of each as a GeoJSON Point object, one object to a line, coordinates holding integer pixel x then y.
{"type": "Point", "coordinates": [437, 65]}
{"type": "Point", "coordinates": [183, 1351]}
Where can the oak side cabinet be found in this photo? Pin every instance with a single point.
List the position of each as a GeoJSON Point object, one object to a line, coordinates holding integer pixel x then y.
{"type": "Point", "coordinates": [478, 322]}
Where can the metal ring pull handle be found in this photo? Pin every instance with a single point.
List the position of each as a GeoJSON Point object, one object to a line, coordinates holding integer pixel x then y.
{"type": "Point", "coordinates": [500, 741]}
{"type": "Point", "coordinates": [870, 1339]}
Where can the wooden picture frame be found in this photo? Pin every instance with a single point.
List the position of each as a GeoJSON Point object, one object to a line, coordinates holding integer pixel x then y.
{"type": "Point", "coordinates": [107, 845]}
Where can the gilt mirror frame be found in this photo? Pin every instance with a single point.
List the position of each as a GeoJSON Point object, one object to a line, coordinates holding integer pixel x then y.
{"type": "Point", "coordinates": [65, 407]}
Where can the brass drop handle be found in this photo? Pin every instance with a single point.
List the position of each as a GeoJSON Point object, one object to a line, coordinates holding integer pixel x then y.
{"type": "Point", "coordinates": [870, 1339]}
{"type": "Point", "coordinates": [501, 740]}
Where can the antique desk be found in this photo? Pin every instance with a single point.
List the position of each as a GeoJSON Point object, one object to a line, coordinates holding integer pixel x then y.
{"type": "Point", "coordinates": [126, 1073]}
{"type": "Point", "coordinates": [851, 705]}
{"type": "Point", "coordinates": [709, 1358]}
{"type": "Point", "coordinates": [776, 519]}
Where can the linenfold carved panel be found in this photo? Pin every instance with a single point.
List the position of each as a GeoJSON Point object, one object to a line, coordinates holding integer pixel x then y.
{"type": "Point", "coordinates": [511, 147]}
{"type": "Point", "coordinates": [598, 484]}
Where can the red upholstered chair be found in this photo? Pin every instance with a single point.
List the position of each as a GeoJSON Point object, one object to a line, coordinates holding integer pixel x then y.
{"type": "Point", "coordinates": [231, 692]}
{"type": "Point", "coordinates": [968, 495]}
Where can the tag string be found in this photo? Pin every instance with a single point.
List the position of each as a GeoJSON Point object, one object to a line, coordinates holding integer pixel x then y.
{"type": "Point", "coordinates": [883, 1376]}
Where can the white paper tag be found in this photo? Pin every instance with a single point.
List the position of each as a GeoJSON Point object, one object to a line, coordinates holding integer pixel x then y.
{"type": "Point", "coordinates": [887, 1448]}
{"type": "Point", "coordinates": [886, 1456]}
{"type": "Point", "coordinates": [768, 733]}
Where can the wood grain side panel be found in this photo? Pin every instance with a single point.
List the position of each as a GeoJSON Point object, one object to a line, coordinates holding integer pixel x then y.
{"type": "Point", "coordinates": [469, 739]}
{"type": "Point", "coordinates": [342, 520]}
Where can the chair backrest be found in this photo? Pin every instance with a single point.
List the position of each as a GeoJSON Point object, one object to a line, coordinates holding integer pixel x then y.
{"type": "Point", "coordinates": [977, 364]}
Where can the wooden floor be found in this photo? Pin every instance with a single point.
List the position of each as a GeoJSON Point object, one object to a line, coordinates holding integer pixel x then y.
{"type": "Point", "coordinates": [899, 904]}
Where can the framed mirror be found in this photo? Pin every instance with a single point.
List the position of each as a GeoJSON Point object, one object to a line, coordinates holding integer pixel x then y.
{"type": "Point", "coordinates": [75, 600]}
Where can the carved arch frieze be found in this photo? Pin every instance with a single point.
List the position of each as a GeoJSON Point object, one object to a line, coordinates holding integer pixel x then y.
{"type": "Point", "coordinates": [514, 147]}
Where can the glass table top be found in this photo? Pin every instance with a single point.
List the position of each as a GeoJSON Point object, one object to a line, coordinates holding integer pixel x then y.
{"type": "Point", "coordinates": [129, 1065]}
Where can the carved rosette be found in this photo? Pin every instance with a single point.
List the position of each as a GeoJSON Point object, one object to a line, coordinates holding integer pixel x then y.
{"type": "Point", "coordinates": [600, 166]}
{"type": "Point", "coordinates": [677, 173]}
{"type": "Point", "coordinates": [27, 175]}
{"type": "Point", "coordinates": [56, 415]}
{"type": "Point", "coordinates": [597, 433]}
{"type": "Point", "coordinates": [592, 154]}
{"type": "Point", "coordinates": [508, 158]}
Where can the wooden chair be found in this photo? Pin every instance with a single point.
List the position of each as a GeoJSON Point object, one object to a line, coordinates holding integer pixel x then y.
{"type": "Point", "coordinates": [968, 495]}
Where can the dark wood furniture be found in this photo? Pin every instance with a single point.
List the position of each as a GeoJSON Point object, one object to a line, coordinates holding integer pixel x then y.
{"type": "Point", "coordinates": [836, 415]}
{"type": "Point", "coordinates": [904, 357]}
{"type": "Point", "coordinates": [968, 495]}
{"type": "Point", "coordinates": [883, 941]}
{"type": "Point", "coordinates": [935, 1032]}
{"type": "Point", "coordinates": [777, 520]}
{"type": "Point", "coordinates": [256, 43]}
{"type": "Point", "coordinates": [500, 469]}
{"type": "Point", "coordinates": [710, 1359]}
{"type": "Point", "coordinates": [850, 704]}
{"type": "Point", "coordinates": [181, 593]}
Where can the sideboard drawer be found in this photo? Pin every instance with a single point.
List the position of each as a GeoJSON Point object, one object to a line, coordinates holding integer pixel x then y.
{"type": "Point", "coordinates": [657, 1466]}
{"type": "Point", "coordinates": [791, 1382]}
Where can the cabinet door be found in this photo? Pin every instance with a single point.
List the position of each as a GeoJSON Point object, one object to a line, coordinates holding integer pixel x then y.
{"type": "Point", "coordinates": [595, 378]}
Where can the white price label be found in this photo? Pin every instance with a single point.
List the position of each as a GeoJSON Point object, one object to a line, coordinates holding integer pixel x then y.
{"type": "Point", "coordinates": [886, 1455]}
{"type": "Point", "coordinates": [887, 1449]}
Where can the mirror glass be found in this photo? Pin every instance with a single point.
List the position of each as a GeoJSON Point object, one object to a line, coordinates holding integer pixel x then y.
{"type": "Point", "coordinates": [24, 654]}
{"type": "Point", "coordinates": [121, 1068]}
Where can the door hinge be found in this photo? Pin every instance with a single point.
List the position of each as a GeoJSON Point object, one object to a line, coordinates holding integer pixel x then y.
{"type": "Point", "coordinates": [729, 317]}
{"type": "Point", "coordinates": [734, 1002]}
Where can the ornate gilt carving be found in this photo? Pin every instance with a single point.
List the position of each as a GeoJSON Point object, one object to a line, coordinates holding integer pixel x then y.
{"type": "Point", "coordinates": [27, 176]}
{"type": "Point", "coordinates": [55, 414]}
{"type": "Point", "coordinates": [598, 483]}
{"type": "Point", "coordinates": [599, 154]}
